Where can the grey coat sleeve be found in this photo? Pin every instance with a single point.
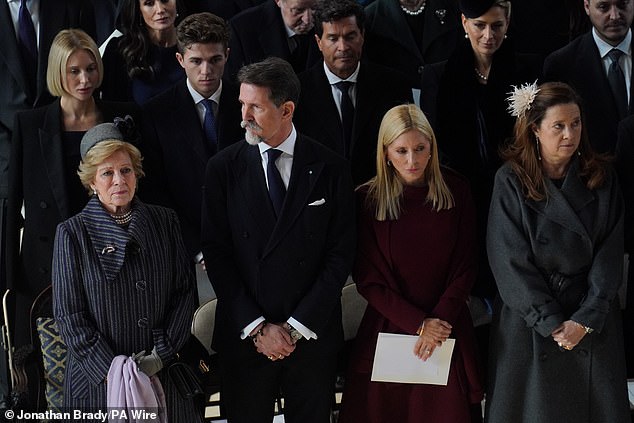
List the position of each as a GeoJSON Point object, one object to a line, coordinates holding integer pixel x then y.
{"type": "Point", "coordinates": [519, 281]}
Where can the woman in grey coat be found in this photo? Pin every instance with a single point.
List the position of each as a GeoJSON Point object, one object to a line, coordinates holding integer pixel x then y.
{"type": "Point", "coordinates": [122, 281]}
{"type": "Point", "coordinates": [555, 245]}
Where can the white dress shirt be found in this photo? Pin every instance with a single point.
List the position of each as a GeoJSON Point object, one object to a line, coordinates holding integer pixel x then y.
{"type": "Point", "coordinates": [336, 94]}
{"type": "Point", "coordinates": [34, 8]}
{"type": "Point", "coordinates": [625, 61]}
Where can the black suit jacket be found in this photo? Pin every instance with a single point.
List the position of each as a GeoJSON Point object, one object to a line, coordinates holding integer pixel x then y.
{"type": "Point", "coordinates": [389, 41]}
{"type": "Point", "coordinates": [295, 266]}
{"type": "Point", "coordinates": [37, 178]}
{"type": "Point", "coordinates": [378, 90]}
{"type": "Point", "coordinates": [579, 65]}
{"type": "Point", "coordinates": [258, 33]}
{"type": "Point", "coordinates": [175, 154]}
{"type": "Point", "coordinates": [15, 94]}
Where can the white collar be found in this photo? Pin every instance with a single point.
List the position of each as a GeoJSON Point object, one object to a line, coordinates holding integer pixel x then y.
{"type": "Point", "coordinates": [333, 79]}
{"type": "Point", "coordinates": [604, 48]}
{"type": "Point", "coordinates": [287, 146]}
{"type": "Point", "coordinates": [198, 98]}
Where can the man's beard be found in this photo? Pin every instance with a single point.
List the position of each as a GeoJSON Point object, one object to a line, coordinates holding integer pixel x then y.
{"type": "Point", "coordinates": [249, 136]}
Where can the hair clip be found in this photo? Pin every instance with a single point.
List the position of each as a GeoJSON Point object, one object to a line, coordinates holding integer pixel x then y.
{"type": "Point", "coordinates": [521, 99]}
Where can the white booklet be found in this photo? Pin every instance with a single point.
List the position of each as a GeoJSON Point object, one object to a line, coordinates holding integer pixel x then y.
{"type": "Point", "coordinates": [394, 361]}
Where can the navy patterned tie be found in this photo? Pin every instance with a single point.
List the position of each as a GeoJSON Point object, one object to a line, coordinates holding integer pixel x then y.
{"type": "Point", "coordinates": [209, 126]}
{"type": "Point", "coordinates": [277, 190]}
{"type": "Point", "coordinates": [27, 41]}
{"type": "Point", "coordinates": [616, 78]}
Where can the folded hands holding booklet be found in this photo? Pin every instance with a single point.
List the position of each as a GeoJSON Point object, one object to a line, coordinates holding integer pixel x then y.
{"type": "Point", "coordinates": [394, 361]}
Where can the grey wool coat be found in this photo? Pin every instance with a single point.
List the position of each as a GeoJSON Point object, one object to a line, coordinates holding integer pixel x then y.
{"type": "Point", "coordinates": [554, 260]}
{"type": "Point", "coordinates": [119, 291]}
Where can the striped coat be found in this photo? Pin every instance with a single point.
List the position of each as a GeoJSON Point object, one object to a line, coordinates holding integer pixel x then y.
{"type": "Point", "coordinates": [120, 291]}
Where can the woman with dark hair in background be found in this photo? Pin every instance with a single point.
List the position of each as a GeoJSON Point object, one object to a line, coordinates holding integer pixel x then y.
{"type": "Point", "coordinates": [142, 62]}
{"type": "Point", "coordinates": [555, 244]}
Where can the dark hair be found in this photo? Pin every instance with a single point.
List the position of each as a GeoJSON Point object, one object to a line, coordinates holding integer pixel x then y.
{"type": "Point", "coordinates": [334, 10]}
{"type": "Point", "coordinates": [135, 43]}
{"type": "Point", "coordinates": [202, 28]}
{"type": "Point", "coordinates": [522, 153]}
{"type": "Point", "coordinates": [275, 74]}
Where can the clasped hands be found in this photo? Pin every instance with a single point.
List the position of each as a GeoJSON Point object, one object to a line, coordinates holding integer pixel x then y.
{"type": "Point", "coordinates": [433, 333]}
{"type": "Point", "coordinates": [568, 334]}
{"type": "Point", "coordinates": [273, 340]}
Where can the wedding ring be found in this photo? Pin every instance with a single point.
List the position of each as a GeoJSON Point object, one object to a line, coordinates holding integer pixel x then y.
{"type": "Point", "coordinates": [270, 357]}
{"type": "Point", "coordinates": [568, 347]}
{"type": "Point", "coordinates": [280, 356]}
{"type": "Point", "coordinates": [428, 351]}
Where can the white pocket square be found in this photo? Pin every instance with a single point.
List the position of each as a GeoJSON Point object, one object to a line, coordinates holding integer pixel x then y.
{"type": "Point", "coordinates": [318, 202]}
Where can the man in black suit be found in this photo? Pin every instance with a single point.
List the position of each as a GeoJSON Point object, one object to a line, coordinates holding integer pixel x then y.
{"type": "Point", "coordinates": [180, 135]}
{"type": "Point", "coordinates": [348, 124]}
{"type": "Point", "coordinates": [278, 240]}
{"type": "Point", "coordinates": [588, 62]}
{"type": "Point", "coordinates": [280, 28]}
{"type": "Point", "coordinates": [23, 82]}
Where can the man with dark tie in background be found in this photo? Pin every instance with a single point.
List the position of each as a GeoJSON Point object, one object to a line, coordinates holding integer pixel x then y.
{"type": "Point", "coordinates": [343, 98]}
{"type": "Point", "coordinates": [186, 125]}
{"type": "Point", "coordinates": [278, 240]}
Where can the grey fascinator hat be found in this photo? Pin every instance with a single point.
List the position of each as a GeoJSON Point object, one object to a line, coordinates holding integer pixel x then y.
{"type": "Point", "coordinates": [122, 129]}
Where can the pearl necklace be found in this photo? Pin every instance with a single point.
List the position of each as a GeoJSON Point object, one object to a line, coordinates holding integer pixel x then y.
{"type": "Point", "coordinates": [480, 75]}
{"type": "Point", "coordinates": [414, 12]}
{"type": "Point", "coordinates": [122, 219]}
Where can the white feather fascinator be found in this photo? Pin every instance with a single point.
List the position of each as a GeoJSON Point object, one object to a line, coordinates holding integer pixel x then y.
{"type": "Point", "coordinates": [521, 99]}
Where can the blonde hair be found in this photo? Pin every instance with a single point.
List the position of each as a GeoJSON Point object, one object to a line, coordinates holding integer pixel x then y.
{"type": "Point", "coordinates": [65, 43]}
{"type": "Point", "coordinates": [386, 188]}
{"type": "Point", "coordinates": [100, 152]}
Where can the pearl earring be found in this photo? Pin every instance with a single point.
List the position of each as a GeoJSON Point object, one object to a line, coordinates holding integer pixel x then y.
{"type": "Point", "coordinates": [466, 35]}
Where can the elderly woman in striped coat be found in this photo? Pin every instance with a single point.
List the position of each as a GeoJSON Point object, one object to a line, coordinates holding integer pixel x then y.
{"type": "Point", "coordinates": [122, 282]}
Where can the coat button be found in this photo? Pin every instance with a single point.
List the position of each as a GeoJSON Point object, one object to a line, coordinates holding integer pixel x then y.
{"type": "Point", "coordinates": [142, 322]}
{"type": "Point", "coordinates": [420, 69]}
{"type": "Point", "coordinates": [43, 205]}
{"type": "Point", "coordinates": [140, 285]}
{"type": "Point", "coordinates": [543, 357]}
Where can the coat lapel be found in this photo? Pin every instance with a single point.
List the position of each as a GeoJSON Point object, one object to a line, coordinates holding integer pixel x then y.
{"type": "Point", "coordinates": [248, 171]}
{"type": "Point", "coordinates": [305, 172]}
{"type": "Point", "coordinates": [563, 206]}
{"type": "Point", "coordinates": [108, 239]}
{"type": "Point", "coordinates": [185, 118]}
{"type": "Point", "coordinates": [52, 151]}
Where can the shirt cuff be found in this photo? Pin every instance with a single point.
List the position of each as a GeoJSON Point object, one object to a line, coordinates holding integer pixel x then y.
{"type": "Point", "coordinates": [247, 330]}
{"type": "Point", "coordinates": [306, 333]}
{"type": "Point", "coordinates": [198, 257]}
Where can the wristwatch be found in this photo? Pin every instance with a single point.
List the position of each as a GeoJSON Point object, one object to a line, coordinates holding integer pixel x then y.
{"type": "Point", "coordinates": [294, 333]}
